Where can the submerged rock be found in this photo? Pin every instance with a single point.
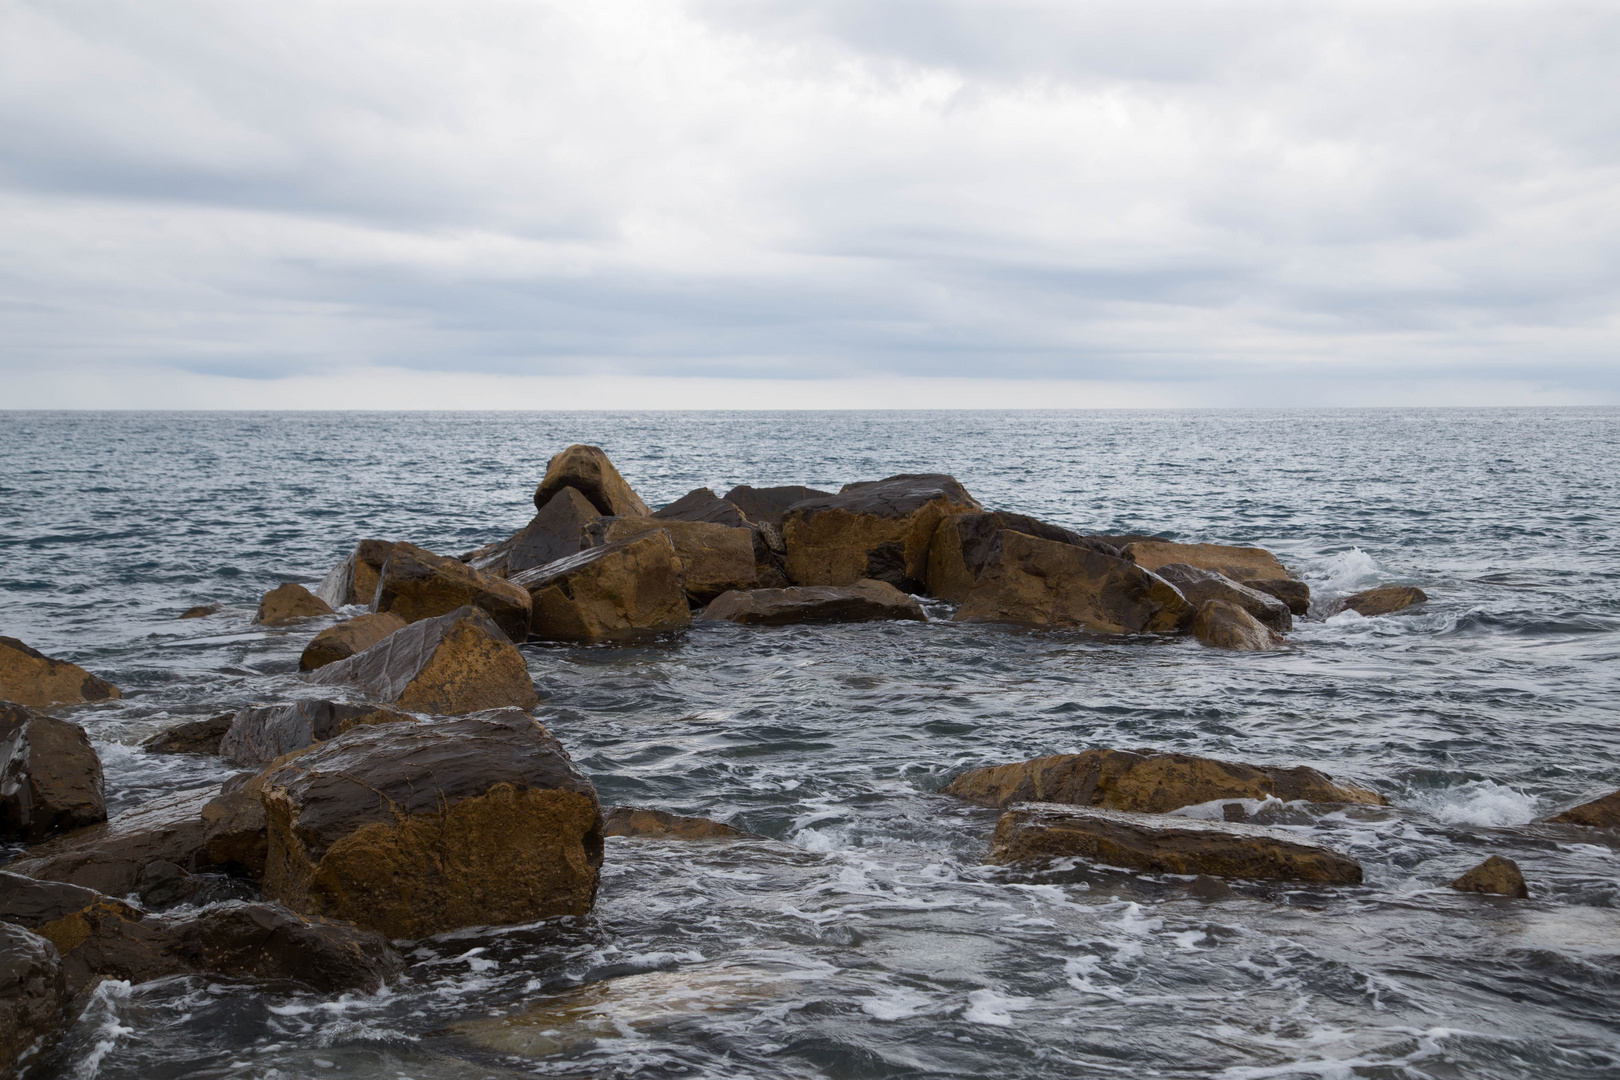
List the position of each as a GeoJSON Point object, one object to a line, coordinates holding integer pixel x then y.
{"type": "Point", "coordinates": [1495, 875]}
{"type": "Point", "coordinates": [354, 580]}
{"type": "Point", "coordinates": [864, 601]}
{"type": "Point", "coordinates": [962, 545]}
{"type": "Point", "coordinates": [454, 664]}
{"type": "Point", "coordinates": [1044, 583]}
{"type": "Point", "coordinates": [1150, 782]}
{"type": "Point", "coordinates": [1296, 594]}
{"type": "Point", "coordinates": [556, 532]}
{"type": "Point", "coordinates": [29, 677]}
{"type": "Point", "coordinates": [1603, 813]}
{"type": "Point", "coordinates": [588, 470]}
{"type": "Point", "coordinates": [110, 857]}
{"type": "Point", "coordinates": [1237, 563]}
{"type": "Point", "coordinates": [193, 737]}
{"type": "Point", "coordinates": [714, 558]}
{"type": "Point", "coordinates": [261, 733]}
{"type": "Point", "coordinates": [33, 997]}
{"type": "Point", "coordinates": [621, 590]}
{"type": "Point", "coordinates": [639, 821]}
{"type": "Point", "coordinates": [1227, 626]}
{"type": "Point", "coordinates": [347, 638]}
{"type": "Point", "coordinates": [1204, 887]}
{"type": "Point", "coordinates": [289, 602]}
{"type": "Point", "coordinates": [1039, 833]}
{"type": "Point", "coordinates": [880, 530]}
{"type": "Point", "coordinates": [201, 611]}
{"type": "Point", "coordinates": [415, 830]}
{"type": "Point", "coordinates": [1384, 600]}
{"type": "Point", "coordinates": [50, 776]}
{"type": "Point", "coordinates": [1200, 586]}
{"type": "Point", "coordinates": [416, 584]}
{"type": "Point", "coordinates": [768, 506]}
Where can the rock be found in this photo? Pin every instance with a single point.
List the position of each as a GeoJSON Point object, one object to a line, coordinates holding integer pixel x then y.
{"type": "Point", "coordinates": [962, 544]}
{"type": "Point", "coordinates": [1296, 594]}
{"type": "Point", "coordinates": [354, 580]}
{"type": "Point", "coordinates": [556, 532]}
{"type": "Point", "coordinates": [880, 529]}
{"type": "Point", "coordinates": [415, 830]}
{"type": "Point", "coordinates": [1227, 626]}
{"type": "Point", "coordinates": [1237, 563]}
{"type": "Point", "coordinates": [50, 777]}
{"type": "Point", "coordinates": [201, 611]}
{"type": "Point", "coordinates": [1149, 782]}
{"type": "Point", "coordinates": [29, 677]}
{"type": "Point", "coordinates": [417, 584]}
{"type": "Point", "coordinates": [621, 590]}
{"type": "Point", "coordinates": [1204, 887]}
{"type": "Point", "coordinates": [288, 602]}
{"type": "Point", "coordinates": [767, 506]}
{"type": "Point", "coordinates": [864, 601]}
{"type": "Point", "coordinates": [714, 558]}
{"type": "Point", "coordinates": [1120, 541]}
{"type": "Point", "coordinates": [1045, 583]}
{"type": "Point", "coordinates": [588, 470]}
{"type": "Point", "coordinates": [637, 821]}
{"type": "Point", "coordinates": [704, 505]}
{"type": "Point", "coordinates": [235, 831]}
{"type": "Point", "coordinates": [193, 737]}
{"type": "Point", "coordinates": [347, 638]}
{"type": "Point", "coordinates": [1199, 586]}
{"type": "Point", "coordinates": [163, 884]}
{"type": "Point", "coordinates": [1384, 600]}
{"type": "Point", "coordinates": [33, 997]}
{"type": "Point", "coordinates": [454, 664]}
{"type": "Point", "coordinates": [1495, 875]}
{"type": "Point", "coordinates": [29, 902]}
{"type": "Point", "coordinates": [1601, 813]}
{"type": "Point", "coordinates": [261, 733]}
{"type": "Point", "coordinates": [109, 857]}
{"type": "Point", "coordinates": [1040, 832]}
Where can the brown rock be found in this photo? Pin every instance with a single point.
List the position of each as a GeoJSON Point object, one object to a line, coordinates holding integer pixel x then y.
{"type": "Point", "coordinates": [347, 638]}
{"type": "Point", "coordinates": [880, 530]}
{"type": "Point", "coordinates": [417, 584]}
{"type": "Point", "coordinates": [1601, 813]}
{"type": "Point", "coordinates": [962, 545]}
{"type": "Point", "coordinates": [638, 821]}
{"type": "Point", "coordinates": [109, 857]}
{"type": "Point", "coordinates": [1038, 833]}
{"type": "Point", "coordinates": [1296, 594]}
{"type": "Point", "coordinates": [1199, 586]}
{"type": "Point", "coordinates": [1227, 626]}
{"type": "Point", "coordinates": [194, 737]}
{"type": "Point", "coordinates": [287, 602]}
{"type": "Point", "coordinates": [768, 506]}
{"type": "Point", "coordinates": [588, 470]}
{"type": "Point", "coordinates": [235, 831]}
{"type": "Point", "coordinates": [1495, 875]}
{"type": "Point", "coordinates": [454, 664]}
{"type": "Point", "coordinates": [261, 733]}
{"type": "Point", "coordinates": [33, 998]}
{"type": "Point", "coordinates": [864, 601]}
{"type": "Point", "coordinates": [415, 830]}
{"type": "Point", "coordinates": [29, 677]}
{"type": "Point", "coordinates": [201, 611]}
{"type": "Point", "coordinates": [1148, 782]}
{"type": "Point", "coordinates": [714, 558]}
{"type": "Point", "coordinates": [701, 504]}
{"type": "Point", "coordinates": [1237, 563]}
{"type": "Point", "coordinates": [556, 532]}
{"type": "Point", "coordinates": [1384, 600]}
{"type": "Point", "coordinates": [1045, 583]}
{"type": "Point", "coordinates": [50, 776]}
{"type": "Point", "coordinates": [354, 580]}
{"type": "Point", "coordinates": [1204, 887]}
{"type": "Point", "coordinates": [621, 590]}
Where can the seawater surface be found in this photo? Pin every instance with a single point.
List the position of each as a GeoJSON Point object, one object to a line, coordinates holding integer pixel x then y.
{"type": "Point", "coordinates": [867, 937]}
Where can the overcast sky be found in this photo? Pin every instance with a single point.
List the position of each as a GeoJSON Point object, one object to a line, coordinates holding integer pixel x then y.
{"type": "Point", "coordinates": [620, 203]}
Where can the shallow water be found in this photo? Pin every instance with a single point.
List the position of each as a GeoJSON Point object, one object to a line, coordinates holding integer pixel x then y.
{"type": "Point", "coordinates": [865, 937]}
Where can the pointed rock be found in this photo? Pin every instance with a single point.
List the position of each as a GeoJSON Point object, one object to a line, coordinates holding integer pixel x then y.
{"type": "Point", "coordinates": [1199, 586]}
{"type": "Point", "coordinates": [29, 677]}
{"type": "Point", "coordinates": [1296, 594]}
{"type": "Point", "coordinates": [1603, 813]}
{"type": "Point", "coordinates": [195, 737]}
{"type": "Point", "coordinates": [556, 532]}
{"type": "Point", "coordinates": [1384, 600]}
{"type": "Point", "coordinates": [588, 470]}
{"type": "Point", "coordinates": [962, 545]}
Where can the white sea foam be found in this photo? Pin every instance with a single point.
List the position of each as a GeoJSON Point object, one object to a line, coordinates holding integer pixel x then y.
{"type": "Point", "coordinates": [1478, 802]}
{"type": "Point", "coordinates": [1214, 810]}
{"type": "Point", "coordinates": [988, 1007]}
{"type": "Point", "coordinates": [105, 1011]}
{"type": "Point", "coordinates": [1349, 571]}
{"type": "Point", "coordinates": [895, 1005]}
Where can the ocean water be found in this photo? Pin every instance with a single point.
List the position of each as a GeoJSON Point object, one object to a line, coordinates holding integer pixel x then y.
{"type": "Point", "coordinates": [866, 937]}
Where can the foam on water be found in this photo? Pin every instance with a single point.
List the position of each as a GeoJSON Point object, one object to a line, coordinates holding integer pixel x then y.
{"type": "Point", "coordinates": [1477, 802]}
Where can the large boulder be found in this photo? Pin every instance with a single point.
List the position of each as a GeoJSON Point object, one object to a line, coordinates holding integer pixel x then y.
{"type": "Point", "coordinates": [417, 584]}
{"type": "Point", "coordinates": [347, 638]}
{"type": "Point", "coordinates": [1149, 782]}
{"type": "Point", "coordinates": [768, 506]}
{"type": "Point", "coordinates": [618, 591]}
{"type": "Point", "coordinates": [1384, 600]}
{"type": "Point", "coordinates": [354, 580]}
{"type": "Point", "coordinates": [1037, 833]}
{"type": "Point", "coordinates": [1296, 594]}
{"type": "Point", "coordinates": [1227, 626]}
{"type": "Point", "coordinates": [864, 601]}
{"type": "Point", "coordinates": [1237, 563]}
{"type": "Point", "coordinates": [50, 776]}
{"type": "Point", "coordinates": [881, 529]}
{"type": "Point", "coordinates": [289, 602]}
{"type": "Point", "coordinates": [962, 544]}
{"type": "Point", "coordinates": [714, 558]}
{"type": "Point", "coordinates": [110, 857]}
{"type": "Point", "coordinates": [1199, 586]}
{"type": "Point", "coordinates": [638, 821]}
{"type": "Point", "coordinates": [454, 664]}
{"type": "Point", "coordinates": [1603, 813]}
{"type": "Point", "coordinates": [33, 997]}
{"type": "Point", "coordinates": [1045, 583]}
{"type": "Point", "coordinates": [588, 470]}
{"type": "Point", "coordinates": [29, 677]}
{"type": "Point", "coordinates": [261, 733]}
{"type": "Point", "coordinates": [192, 737]}
{"type": "Point", "coordinates": [556, 532]}
{"type": "Point", "coordinates": [1497, 876]}
{"type": "Point", "coordinates": [415, 830]}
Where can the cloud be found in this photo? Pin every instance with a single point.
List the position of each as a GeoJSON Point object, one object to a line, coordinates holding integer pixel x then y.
{"type": "Point", "coordinates": [1147, 194]}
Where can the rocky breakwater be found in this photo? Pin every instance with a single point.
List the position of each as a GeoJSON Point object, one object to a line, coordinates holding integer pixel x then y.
{"type": "Point", "coordinates": [29, 677]}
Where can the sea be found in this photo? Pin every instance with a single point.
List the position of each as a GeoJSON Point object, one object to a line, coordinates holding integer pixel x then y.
{"type": "Point", "coordinates": [868, 936]}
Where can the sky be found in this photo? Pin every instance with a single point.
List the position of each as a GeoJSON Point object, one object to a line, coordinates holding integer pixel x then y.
{"type": "Point", "coordinates": [624, 204]}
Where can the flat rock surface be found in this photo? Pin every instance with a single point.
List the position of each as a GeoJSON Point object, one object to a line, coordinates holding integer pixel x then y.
{"type": "Point", "coordinates": [1237, 563]}
{"type": "Point", "coordinates": [109, 857]}
{"type": "Point", "coordinates": [864, 601]}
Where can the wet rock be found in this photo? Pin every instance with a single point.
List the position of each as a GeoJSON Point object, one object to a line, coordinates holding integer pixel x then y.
{"type": "Point", "coordinates": [588, 470]}
{"type": "Point", "coordinates": [1296, 594]}
{"type": "Point", "coordinates": [864, 601]}
{"type": "Point", "coordinates": [347, 638]}
{"type": "Point", "coordinates": [1043, 583]}
{"type": "Point", "coordinates": [704, 505]}
{"type": "Point", "coordinates": [30, 902]}
{"type": "Point", "coordinates": [289, 602]}
{"type": "Point", "coordinates": [1227, 626]}
{"type": "Point", "coordinates": [1199, 586]}
{"type": "Point", "coordinates": [1495, 875]}
{"type": "Point", "coordinates": [201, 611]}
{"type": "Point", "coordinates": [354, 580]}
{"type": "Point", "coordinates": [962, 545]}
{"type": "Point", "coordinates": [163, 884]}
{"type": "Point", "coordinates": [33, 998]}
{"type": "Point", "coordinates": [261, 733]}
{"type": "Point", "coordinates": [714, 558]}
{"type": "Point", "coordinates": [110, 857]}
{"type": "Point", "coordinates": [556, 532]}
{"type": "Point", "coordinates": [454, 664]}
{"type": "Point", "coordinates": [415, 830]}
{"type": "Point", "coordinates": [193, 737]}
{"type": "Point", "coordinates": [768, 506]}
{"type": "Point", "coordinates": [621, 590]}
{"type": "Point", "coordinates": [50, 777]}
{"type": "Point", "coordinates": [235, 831]}
{"type": "Point", "coordinates": [881, 529]}
{"type": "Point", "coordinates": [1384, 600]}
{"type": "Point", "coordinates": [638, 821]}
{"type": "Point", "coordinates": [29, 677]}
{"type": "Point", "coordinates": [1149, 782]}
{"type": "Point", "coordinates": [1237, 563]}
{"type": "Point", "coordinates": [1038, 833]}
{"type": "Point", "coordinates": [1204, 887]}
{"type": "Point", "coordinates": [1601, 813]}
{"type": "Point", "coordinates": [417, 584]}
